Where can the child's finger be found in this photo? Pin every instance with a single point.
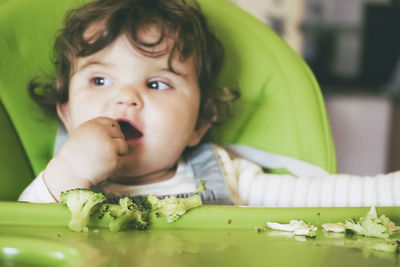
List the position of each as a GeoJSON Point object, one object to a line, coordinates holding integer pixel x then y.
{"type": "Point", "coordinates": [111, 125]}
{"type": "Point", "coordinates": [122, 147]}
{"type": "Point", "coordinates": [115, 130]}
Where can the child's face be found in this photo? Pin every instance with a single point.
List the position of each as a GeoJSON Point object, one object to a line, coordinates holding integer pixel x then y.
{"type": "Point", "coordinates": [121, 83]}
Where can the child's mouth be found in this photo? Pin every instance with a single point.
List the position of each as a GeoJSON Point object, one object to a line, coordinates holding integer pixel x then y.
{"type": "Point", "coordinates": [130, 132]}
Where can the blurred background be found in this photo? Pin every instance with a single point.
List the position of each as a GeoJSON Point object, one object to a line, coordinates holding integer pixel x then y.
{"type": "Point", "coordinates": [353, 48]}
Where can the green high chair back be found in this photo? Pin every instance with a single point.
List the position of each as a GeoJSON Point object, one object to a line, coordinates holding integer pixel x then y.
{"type": "Point", "coordinates": [281, 109]}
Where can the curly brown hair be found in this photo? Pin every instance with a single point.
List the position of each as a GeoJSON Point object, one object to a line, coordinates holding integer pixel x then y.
{"type": "Point", "coordinates": [174, 18]}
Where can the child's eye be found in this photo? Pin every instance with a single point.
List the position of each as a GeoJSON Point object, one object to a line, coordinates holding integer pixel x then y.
{"type": "Point", "coordinates": [100, 81]}
{"type": "Point", "coordinates": [157, 85]}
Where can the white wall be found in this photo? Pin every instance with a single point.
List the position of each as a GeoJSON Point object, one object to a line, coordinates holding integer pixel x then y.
{"type": "Point", "coordinates": [361, 127]}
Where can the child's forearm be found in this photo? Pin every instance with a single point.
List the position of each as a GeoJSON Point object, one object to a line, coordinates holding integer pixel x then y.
{"type": "Point", "coordinates": [60, 176]}
{"type": "Point", "coordinates": [257, 188]}
{"type": "Point", "coordinates": [330, 191]}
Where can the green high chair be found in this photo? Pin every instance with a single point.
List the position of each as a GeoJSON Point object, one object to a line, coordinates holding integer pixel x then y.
{"type": "Point", "coordinates": [281, 109]}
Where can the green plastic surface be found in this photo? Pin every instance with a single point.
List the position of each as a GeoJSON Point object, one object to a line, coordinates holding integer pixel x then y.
{"type": "Point", "coordinates": [205, 236]}
{"type": "Point", "coordinates": [281, 109]}
{"type": "Point", "coordinates": [12, 156]}
{"type": "Point", "coordinates": [27, 30]}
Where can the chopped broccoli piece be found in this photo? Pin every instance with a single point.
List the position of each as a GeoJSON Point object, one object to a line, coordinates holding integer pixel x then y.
{"type": "Point", "coordinates": [296, 227]}
{"type": "Point", "coordinates": [371, 225]}
{"type": "Point", "coordinates": [127, 215]}
{"type": "Point", "coordinates": [152, 202]}
{"type": "Point", "coordinates": [171, 207]}
{"type": "Point", "coordinates": [393, 228]}
{"type": "Point", "coordinates": [201, 187]}
{"type": "Point", "coordinates": [82, 203]}
{"type": "Point", "coordinates": [334, 227]}
{"type": "Point", "coordinates": [260, 228]}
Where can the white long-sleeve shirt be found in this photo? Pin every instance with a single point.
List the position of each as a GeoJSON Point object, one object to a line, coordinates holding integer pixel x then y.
{"type": "Point", "coordinates": [249, 185]}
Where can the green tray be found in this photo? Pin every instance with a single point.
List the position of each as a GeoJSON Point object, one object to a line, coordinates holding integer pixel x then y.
{"type": "Point", "coordinates": [37, 235]}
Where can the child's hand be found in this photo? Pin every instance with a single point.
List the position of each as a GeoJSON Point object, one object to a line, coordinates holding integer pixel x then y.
{"type": "Point", "coordinates": [93, 151]}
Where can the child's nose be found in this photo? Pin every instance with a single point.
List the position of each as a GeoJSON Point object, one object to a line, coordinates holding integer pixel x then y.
{"type": "Point", "coordinates": [129, 97]}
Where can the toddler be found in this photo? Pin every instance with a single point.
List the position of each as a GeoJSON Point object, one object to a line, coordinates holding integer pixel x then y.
{"type": "Point", "coordinates": [136, 92]}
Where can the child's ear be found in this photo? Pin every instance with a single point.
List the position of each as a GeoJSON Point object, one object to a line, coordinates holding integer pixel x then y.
{"type": "Point", "coordinates": [201, 129]}
{"type": "Point", "coordinates": [63, 114]}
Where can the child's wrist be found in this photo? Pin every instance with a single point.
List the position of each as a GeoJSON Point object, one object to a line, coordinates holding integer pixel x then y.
{"type": "Point", "coordinates": [58, 178]}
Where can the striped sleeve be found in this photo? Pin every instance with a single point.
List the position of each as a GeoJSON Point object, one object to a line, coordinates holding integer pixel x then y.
{"type": "Point", "coordinates": [253, 187]}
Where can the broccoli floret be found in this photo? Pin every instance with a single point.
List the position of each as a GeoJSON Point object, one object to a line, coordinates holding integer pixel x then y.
{"type": "Point", "coordinates": [82, 203]}
{"type": "Point", "coordinates": [127, 215]}
{"type": "Point", "coordinates": [171, 207]}
{"type": "Point", "coordinates": [371, 225]}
